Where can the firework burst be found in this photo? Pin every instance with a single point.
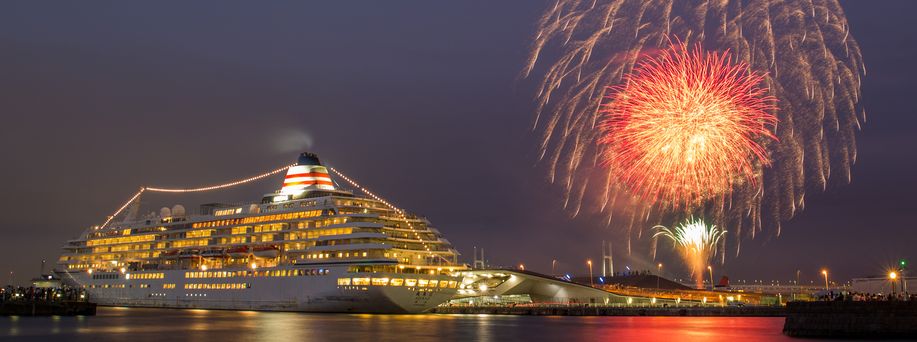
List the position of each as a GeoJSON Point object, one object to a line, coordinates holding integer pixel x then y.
{"type": "Point", "coordinates": [696, 241]}
{"type": "Point", "coordinates": [683, 126]}
{"type": "Point", "coordinates": [804, 52]}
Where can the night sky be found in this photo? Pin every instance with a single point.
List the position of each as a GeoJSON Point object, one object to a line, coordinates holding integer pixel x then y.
{"type": "Point", "coordinates": [419, 101]}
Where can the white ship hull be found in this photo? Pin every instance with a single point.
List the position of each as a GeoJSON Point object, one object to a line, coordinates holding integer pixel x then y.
{"type": "Point", "coordinates": [310, 246]}
{"type": "Point", "coordinates": [306, 293]}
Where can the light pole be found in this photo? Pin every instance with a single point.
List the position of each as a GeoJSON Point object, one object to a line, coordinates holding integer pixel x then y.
{"type": "Point", "coordinates": [825, 273]}
{"type": "Point", "coordinates": [553, 267]}
{"type": "Point", "coordinates": [658, 274]}
{"type": "Point", "coordinates": [591, 281]}
{"type": "Point", "coordinates": [892, 276]}
{"type": "Point", "coordinates": [710, 268]}
{"type": "Point", "coordinates": [797, 285]}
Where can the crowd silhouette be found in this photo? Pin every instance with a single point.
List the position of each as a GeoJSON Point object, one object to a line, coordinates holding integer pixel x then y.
{"type": "Point", "coordinates": [41, 294]}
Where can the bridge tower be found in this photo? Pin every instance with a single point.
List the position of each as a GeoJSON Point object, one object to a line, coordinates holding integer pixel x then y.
{"type": "Point", "coordinates": [608, 265]}
{"type": "Point", "coordinates": [478, 261]}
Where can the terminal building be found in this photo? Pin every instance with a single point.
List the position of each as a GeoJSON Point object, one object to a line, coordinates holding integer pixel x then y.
{"type": "Point", "coordinates": [882, 284]}
{"type": "Point", "coordinates": [506, 286]}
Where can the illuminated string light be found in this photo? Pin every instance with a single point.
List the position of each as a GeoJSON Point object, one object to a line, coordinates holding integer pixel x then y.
{"type": "Point", "coordinates": [353, 183]}
{"type": "Point", "coordinates": [206, 188]}
{"type": "Point", "coordinates": [227, 185]}
{"type": "Point", "coordinates": [386, 203]}
{"type": "Point", "coordinates": [112, 216]}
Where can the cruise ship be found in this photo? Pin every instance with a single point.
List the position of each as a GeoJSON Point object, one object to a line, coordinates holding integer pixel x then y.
{"type": "Point", "coordinates": [311, 246]}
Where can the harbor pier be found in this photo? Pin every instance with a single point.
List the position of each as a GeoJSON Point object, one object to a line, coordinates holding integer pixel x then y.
{"type": "Point", "coordinates": [41, 301]}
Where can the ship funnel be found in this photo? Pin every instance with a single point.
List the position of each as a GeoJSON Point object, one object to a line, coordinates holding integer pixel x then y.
{"type": "Point", "coordinates": [308, 174]}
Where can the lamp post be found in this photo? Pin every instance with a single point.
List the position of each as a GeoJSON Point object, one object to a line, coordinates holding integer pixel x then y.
{"type": "Point", "coordinates": [797, 285]}
{"type": "Point", "coordinates": [591, 281]}
{"type": "Point", "coordinates": [553, 267]}
{"type": "Point", "coordinates": [825, 273]}
{"type": "Point", "coordinates": [710, 268]}
{"type": "Point", "coordinates": [892, 276]}
{"type": "Point", "coordinates": [658, 274]}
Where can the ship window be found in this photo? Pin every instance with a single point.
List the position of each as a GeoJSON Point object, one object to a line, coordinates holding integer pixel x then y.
{"type": "Point", "coordinates": [361, 281]}
{"type": "Point", "coordinates": [434, 282]}
{"type": "Point", "coordinates": [410, 282]}
{"type": "Point", "coordinates": [380, 281]}
{"type": "Point", "coordinates": [422, 282]}
{"type": "Point", "coordinates": [343, 281]}
{"type": "Point", "coordinates": [396, 282]}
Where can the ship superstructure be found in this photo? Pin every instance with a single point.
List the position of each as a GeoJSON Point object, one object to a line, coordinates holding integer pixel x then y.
{"type": "Point", "coordinates": [310, 246]}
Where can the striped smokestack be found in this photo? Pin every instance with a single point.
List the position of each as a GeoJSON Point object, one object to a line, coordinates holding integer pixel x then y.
{"type": "Point", "coordinates": [308, 174]}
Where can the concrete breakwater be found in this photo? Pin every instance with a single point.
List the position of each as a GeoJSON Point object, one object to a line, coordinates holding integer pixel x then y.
{"type": "Point", "coordinates": [41, 308]}
{"type": "Point", "coordinates": [748, 311]}
{"type": "Point", "coordinates": [879, 319]}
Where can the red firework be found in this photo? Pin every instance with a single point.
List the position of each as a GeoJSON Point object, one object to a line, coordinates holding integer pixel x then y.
{"type": "Point", "coordinates": [685, 126]}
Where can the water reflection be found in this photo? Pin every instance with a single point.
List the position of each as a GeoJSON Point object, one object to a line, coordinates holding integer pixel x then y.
{"type": "Point", "coordinates": [134, 325]}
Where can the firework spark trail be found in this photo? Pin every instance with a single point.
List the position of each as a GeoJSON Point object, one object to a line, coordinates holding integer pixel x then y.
{"type": "Point", "coordinates": [683, 126]}
{"type": "Point", "coordinates": [696, 241]}
{"type": "Point", "coordinates": [812, 66]}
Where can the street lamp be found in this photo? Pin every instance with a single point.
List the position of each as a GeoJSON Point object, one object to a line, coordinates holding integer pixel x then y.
{"type": "Point", "coordinates": [825, 273]}
{"type": "Point", "coordinates": [522, 267]}
{"type": "Point", "coordinates": [710, 268]}
{"type": "Point", "coordinates": [591, 281]}
{"type": "Point", "coordinates": [658, 274]}
{"type": "Point", "coordinates": [553, 267]}
{"type": "Point", "coordinates": [892, 276]}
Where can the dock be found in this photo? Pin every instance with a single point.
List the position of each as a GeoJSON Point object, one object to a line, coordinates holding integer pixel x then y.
{"type": "Point", "coordinates": [849, 319]}
{"type": "Point", "coordinates": [38, 308]}
{"type": "Point", "coordinates": [45, 301]}
{"type": "Point", "coordinates": [580, 310]}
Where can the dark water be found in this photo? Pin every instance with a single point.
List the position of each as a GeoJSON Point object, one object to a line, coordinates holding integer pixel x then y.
{"type": "Point", "coordinates": [134, 325]}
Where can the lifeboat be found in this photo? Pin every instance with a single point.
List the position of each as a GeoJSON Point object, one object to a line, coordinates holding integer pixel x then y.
{"type": "Point", "coordinates": [237, 251]}
{"type": "Point", "coordinates": [268, 251]}
{"type": "Point", "coordinates": [169, 254]}
{"type": "Point", "coordinates": [213, 253]}
{"type": "Point", "coordinates": [189, 254]}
